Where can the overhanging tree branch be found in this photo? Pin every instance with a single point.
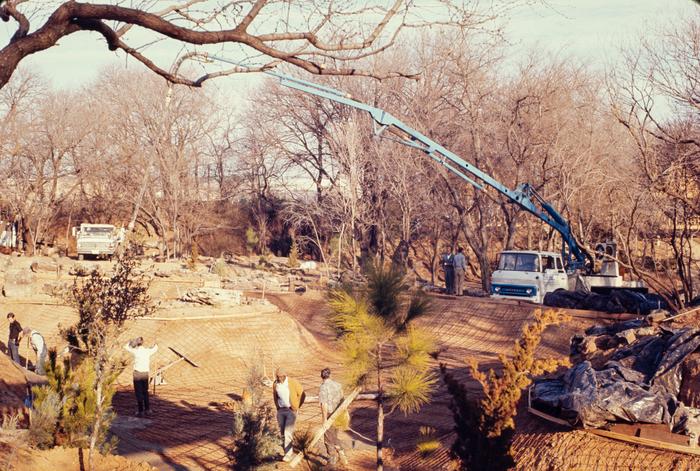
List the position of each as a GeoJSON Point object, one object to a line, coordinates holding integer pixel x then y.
{"type": "Point", "coordinates": [320, 50]}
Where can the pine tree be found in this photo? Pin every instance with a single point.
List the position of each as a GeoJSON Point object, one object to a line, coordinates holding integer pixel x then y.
{"type": "Point", "coordinates": [485, 426]}
{"type": "Point", "coordinates": [381, 347]}
{"type": "Point", "coordinates": [254, 428]}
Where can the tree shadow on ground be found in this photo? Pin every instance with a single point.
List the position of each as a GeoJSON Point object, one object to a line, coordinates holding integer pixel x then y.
{"type": "Point", "coordinates": [179, 433]}
{"type": "Point", "coordinates": [23, 360]}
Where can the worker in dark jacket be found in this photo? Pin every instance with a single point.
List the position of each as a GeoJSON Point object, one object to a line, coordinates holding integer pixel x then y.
{"type": "Point", "coordinates": [14, 337]}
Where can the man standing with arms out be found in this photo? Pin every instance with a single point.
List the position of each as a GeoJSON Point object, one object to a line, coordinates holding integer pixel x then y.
{"type": "Point", "coordinates": [14, 337]}
{"type": "Point", "coordinates": [330, 395]}
{"type": "Point", "coordinates": [36, 341]}
{"type": "Point", "coordinates": [289, 396]}
{"type": "Point", "coordinates": [460, 263]}
{"type": "Point", "coordinates": [142, 366]}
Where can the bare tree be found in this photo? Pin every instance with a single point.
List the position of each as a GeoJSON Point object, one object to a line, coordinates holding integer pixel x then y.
{"type": "Point", "coordinates": [324, 37]}
{"type": "Point", "coordinates": [666, 150]}
{"type": "Point", "coordinates": [41, 166]}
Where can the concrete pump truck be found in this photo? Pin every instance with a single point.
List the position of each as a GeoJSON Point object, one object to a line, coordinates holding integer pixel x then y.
{"type": "Point", "coordinates": [520, 274]}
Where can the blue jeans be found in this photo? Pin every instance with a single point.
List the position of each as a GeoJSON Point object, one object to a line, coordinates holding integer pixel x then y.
{"type": "Point", "coordinates": [14, 351]}
{"type": "Point", "coordinates": [286, 418]}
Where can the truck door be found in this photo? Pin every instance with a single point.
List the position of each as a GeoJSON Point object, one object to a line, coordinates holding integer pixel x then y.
{"type": "Point", "coordinates": [553, 276]}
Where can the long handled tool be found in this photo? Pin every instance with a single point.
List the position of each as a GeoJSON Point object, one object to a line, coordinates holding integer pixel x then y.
{"type": "Point", "coordinates": [159, 379]}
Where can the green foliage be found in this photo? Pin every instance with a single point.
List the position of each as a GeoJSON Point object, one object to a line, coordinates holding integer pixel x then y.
{"type": "Point", "coordinates": [255, 434]}
{"type": "Point", "coordinates": [427, 443]}
{"type": "Point", "coordinates": [45, 414]}
{"type": "Point", "coordinates": [65, 408]}
{"type": "Point", "coordinates": [301, 441]}
{"type": "Point", "coordinates": [384, 289]}
{"type": "Point", "coordinates": [485, 427]}
{"type": "Point", "coordinates": [414, 348]}
{"type": "Point", "coordinates": [104, 303]}
{"type": "Point", "coordinates": [386, 293]}
{"type": "Point", "coordinates": [409, 388]}
{"type": "Point", "coordinates": [378, 343]}
{"type": "Point", "coordinates": [51, 403]}
{"type": "Point", "coordinates": [294, 254]}
{"type": "Point", "coordinates": [251, 239]}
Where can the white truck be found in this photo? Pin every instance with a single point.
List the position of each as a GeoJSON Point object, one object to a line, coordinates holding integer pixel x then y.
{"type": "Point", "coordinates": [528, 275]}
{"type": "Point", "coordinates": [99, 240]}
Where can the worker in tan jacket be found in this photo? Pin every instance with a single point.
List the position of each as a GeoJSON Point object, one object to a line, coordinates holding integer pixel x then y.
{"type": "Point", "coordinates": [288, 395]}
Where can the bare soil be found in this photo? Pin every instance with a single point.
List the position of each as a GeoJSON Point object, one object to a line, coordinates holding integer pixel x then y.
{"type": "Point", "coordinates": [18, 457]}
{"type": "Point", "coordinates": [191, 425]}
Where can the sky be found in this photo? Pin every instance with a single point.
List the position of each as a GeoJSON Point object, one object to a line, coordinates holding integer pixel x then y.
{"type": "Point", "coordinates": [592, 30]}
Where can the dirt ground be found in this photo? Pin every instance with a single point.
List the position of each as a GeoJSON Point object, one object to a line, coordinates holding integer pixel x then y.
{"type": "Point", "coordinates": [18, 457]}
{"type": "Point", "coordinates": [191, 425]}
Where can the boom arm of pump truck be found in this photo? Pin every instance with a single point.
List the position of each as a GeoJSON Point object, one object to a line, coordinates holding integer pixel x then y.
{"type": "Point", "coordinates": [576, 258]}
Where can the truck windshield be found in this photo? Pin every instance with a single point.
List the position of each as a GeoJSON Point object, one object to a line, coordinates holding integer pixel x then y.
{"type": "Point", "coordinates": [97, 230]}
{"type": "Point", "coordinates": [519, 262]}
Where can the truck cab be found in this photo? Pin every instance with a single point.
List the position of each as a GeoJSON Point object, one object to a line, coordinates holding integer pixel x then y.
{"type": "Point", "coordinates": [99, 240]}
{"type": "Point", "coordinates": [528, 275]}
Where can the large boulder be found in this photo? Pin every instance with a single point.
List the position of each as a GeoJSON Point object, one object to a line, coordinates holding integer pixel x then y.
{"type": "Point", "coordinates": [19, 283]}
{"type": "Point", "coordinates": [44, 266]}
{"type": "Point", "coordinates": [213, 297]}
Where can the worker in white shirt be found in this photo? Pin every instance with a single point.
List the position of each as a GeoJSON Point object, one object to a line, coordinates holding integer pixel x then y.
{"type": "Point", "coordinates": [142, 365]}
{"type": "Point", "coordinates": [36, 341]}
{"type": "Point", "coordinates": [288, 396]}
{"type": "Point", "coordinates": [460, 266]}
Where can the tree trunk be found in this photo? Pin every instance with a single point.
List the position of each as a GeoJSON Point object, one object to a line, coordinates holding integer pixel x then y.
{"type": "Point", "coordinates": [380, 412]}
{"type": "Point", "coordinates": [97, 424]}
{"type": "Point", "coordinates": [380, 434]}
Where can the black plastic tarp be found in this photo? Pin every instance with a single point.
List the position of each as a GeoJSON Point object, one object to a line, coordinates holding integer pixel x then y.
{"type": "Point", "coordinates": [640, 383]}
{"type": "Point", "coordinates": [617, 302]}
